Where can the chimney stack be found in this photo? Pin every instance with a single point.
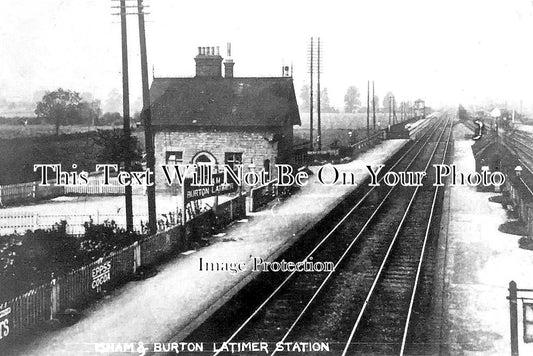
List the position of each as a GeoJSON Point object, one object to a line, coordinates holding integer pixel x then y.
{"type": "Point", "coordinates": [228, 64]}
{"type": "Point", "coordinates": [208, 64]}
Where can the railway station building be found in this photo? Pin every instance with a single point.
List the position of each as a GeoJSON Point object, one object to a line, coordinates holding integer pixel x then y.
{"type": "Point", "coordinates": [216, 119]}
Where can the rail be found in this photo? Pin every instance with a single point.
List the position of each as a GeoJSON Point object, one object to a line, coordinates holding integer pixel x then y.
{"type": "Point", "coordinates": [386, 259]}
{"type": "Point", "coordinates": [419, 143]}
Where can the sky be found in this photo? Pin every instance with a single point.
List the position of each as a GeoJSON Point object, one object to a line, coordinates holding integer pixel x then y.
{"type": "Point", "coordinates": [444, 51]}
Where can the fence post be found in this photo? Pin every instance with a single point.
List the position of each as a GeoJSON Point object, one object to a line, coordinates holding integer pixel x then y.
{"type": "Point", "coordinates": [136, 256]}
{"type": "Point", "coordinates": [513, 310]}
{"type": "Point", "coordinates": [251, 200]}
{"type": "Point", "coordinates": [34, 190]}
{"type": "Point", "coordinates": [54, 299]}
{"type": "Point", "coordinates": [231, 210]}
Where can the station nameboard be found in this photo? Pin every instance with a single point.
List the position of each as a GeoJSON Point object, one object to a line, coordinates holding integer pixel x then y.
{"type": "Point", "coordinates": [528, 321]}
{"type": "Point", "coordinates": [192, 193]}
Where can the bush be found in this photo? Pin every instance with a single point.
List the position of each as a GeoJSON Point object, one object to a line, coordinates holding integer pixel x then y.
{"type": "Point", "coordinates": [101, 240]}
{"type": "Point", "coordinates": [526, 243]}
{"type": "Point", "coordinates": [31, 259]}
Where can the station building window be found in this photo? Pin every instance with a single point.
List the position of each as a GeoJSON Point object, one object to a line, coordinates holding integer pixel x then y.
{"type": "Point", "coordinates": [233, 159]}
{"type": "Point", "coordinates": [174, 157]}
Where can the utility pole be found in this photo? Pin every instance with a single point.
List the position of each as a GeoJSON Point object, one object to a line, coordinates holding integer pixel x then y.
{"type": "Point", "coordinates": [390, 110]}
{"type": "Point", "coordinates": [513, 312]}
{"type": "Point", "coordinates": [126, 113]}
{"type": "Point", "coordinates": [146, 116]}
{"type": "Point", "coordinates": [367, 108]}
{"type": "Point", "coordinates": [394, 110]}
{"type": "Point", "coordinates": [319, 131]}
{"type": "Point", "coordinates": [373, 108]}
{"type": "Point", "coordinates": [311, 98]}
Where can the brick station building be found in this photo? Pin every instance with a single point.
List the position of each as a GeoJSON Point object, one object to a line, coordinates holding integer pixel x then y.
{"type": "Point", "coordinates": [215, 119]}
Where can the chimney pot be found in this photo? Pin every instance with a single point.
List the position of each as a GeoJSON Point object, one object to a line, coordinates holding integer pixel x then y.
{"type": "Point", "coordinates": [199, 50]}
{"type": "Point", "coordinates": [228, 63]}
{"type": "Point", "coordinates": [208, 64]}
{"type": "Point", "coordinates": [218, 50]}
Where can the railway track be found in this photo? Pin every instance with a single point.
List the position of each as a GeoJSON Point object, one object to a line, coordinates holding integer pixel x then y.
{"type": "Point", "coordinates": [379, 256]}
{"type": "Point", "coordinates": [382, 325]}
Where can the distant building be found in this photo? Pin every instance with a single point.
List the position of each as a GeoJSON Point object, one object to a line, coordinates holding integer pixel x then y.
{"type": "Point", "coordinates": [211, 119]}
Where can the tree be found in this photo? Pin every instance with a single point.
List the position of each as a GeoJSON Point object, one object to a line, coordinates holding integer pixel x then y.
{"type": "Point", "coordinates": [113, 102]}
{"type": "Point", "coordinates": [60, 107]}
{"type": "Point", "coordinates": [111, 118]}
{"type": "Point", "coordinates": [325, 106]}
{"type": "Point", "coordinates": [351, 99]}
{"type": "Point", "coordinates": [376, 100]}
{"type": "Point", "coordinates": [387, 99]}
{"type": "Point", "coordinates": [462, 113]}
{"type": "Point", "coordinates": [90, 112]}
{"type": "Point", "coordinates": [115, 150]}
{"type": "Point", "coordinates": [305, 92]}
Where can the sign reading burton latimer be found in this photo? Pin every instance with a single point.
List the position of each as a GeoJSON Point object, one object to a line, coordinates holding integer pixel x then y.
{"type": "Point", "coordinates": [193, 192]}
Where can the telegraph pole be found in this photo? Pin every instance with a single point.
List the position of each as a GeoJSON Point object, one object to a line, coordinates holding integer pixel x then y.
{"type": "Point", "coordinates": [126, 112]}
{"type": "Point", "coordinates": [373, 107]}
{"type": "Point", "coordinates": [146, 116]}
{"type": "Point", "coordinates": [390, 110]}
{"type": "Point", "coordinates": [311, 98]}
{"type": "Point", "coordinates": [367, 108]}
{"type": "Point", "coordinates": [319, 131]}
{"type": "Point", "coordinates": [394, 110]}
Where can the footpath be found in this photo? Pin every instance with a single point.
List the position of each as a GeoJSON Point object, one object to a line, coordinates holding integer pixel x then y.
{"type": "Point", "coordinates": [176, 300]}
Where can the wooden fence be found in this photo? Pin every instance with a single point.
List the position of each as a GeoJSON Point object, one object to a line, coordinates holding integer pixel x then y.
{"type": "Point", "coordinates": [96, 186]}
{"type": "Point", "coordinates": [86, 284]}
{"type": "Point", "coordinates": [33, 191]}
{"type": "Point", "coordinates": [367, 142]}
{"type": "Point", "coordinates": [27, 192]}
{"type": "Point", "coordinates": [20, 221]}
{"type": "Point", "coordinates": [262, 195]}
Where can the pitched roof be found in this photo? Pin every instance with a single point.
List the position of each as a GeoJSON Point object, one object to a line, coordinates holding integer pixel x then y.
{"type": "Point", "coordinates": [202, 101]}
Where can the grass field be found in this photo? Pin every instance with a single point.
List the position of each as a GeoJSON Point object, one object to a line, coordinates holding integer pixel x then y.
{"type": "Point", "coordinates": [14, 131]}
{"type": "Point", "coordinates": [343, 120]}
{"type": "Point", "coordinates": [336, 127]}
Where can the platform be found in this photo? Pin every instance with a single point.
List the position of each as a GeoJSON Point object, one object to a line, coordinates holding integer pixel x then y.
{"type": "Point", "coordinates": [479, 264]}
{"type": "Point", "coordinates": [170, 304]}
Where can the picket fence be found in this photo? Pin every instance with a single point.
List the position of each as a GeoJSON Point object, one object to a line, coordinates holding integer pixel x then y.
{"type": "Point", "coordinates": [32, 191]}
{"type": "Point", "coordinates": [19, 221]}
{"type": "Point", "coordinates": [86, 284]}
